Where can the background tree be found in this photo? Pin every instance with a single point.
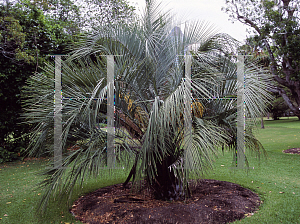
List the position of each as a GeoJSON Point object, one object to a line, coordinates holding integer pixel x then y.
{"type": "Point", "coordinates": [150, 91]}
{"type": "Point", "coordinates": [31, 30]}
{"type": "Point", "coordinates": [279, 108]}
{"type": "Point", "coordinates": [259, 52]}
{"type": "Point", "coordinates": [26, 38]}
{"type": "Point", "coordinates": [276, 27]}
{"type": "Point", "coordinates": [64, 13]}
{"type": "Point", "coordinates": [98, 14]}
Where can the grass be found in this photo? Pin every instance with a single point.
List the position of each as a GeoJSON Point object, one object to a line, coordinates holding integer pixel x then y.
{"type": "Point", "coordinates": [272, 175]}
{"type": "Point", "coordinates": [276, 173]}
{"type": "Point", "coordinates": [19, 198]}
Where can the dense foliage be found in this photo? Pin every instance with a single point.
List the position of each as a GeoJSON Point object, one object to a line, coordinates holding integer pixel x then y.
{"type": "Point", "coordinates": [26, 38]}
{"type": "Point", "coordinates": [29, 32]}
{"type": "Point", "coordinates": [276, 28]}
{"type": "Point", "coordinates": [256, 49]}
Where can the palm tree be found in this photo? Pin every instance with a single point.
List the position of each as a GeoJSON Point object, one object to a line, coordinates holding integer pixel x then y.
{"type": "Point", "coordinates": [150, 104]}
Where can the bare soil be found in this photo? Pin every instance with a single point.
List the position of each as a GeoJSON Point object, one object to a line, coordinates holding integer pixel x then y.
{"type": "Point", "coordinates": [212, 201]}
{"type": "Point", "coordinates": [292, 151]}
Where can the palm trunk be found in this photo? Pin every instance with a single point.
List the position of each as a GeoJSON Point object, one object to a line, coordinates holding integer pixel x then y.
{"type": "Point", "coordinates": [165, 185]}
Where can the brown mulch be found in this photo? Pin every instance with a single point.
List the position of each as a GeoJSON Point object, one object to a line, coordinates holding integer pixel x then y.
{"type": "Point", "coordinates": [212, 201]}
{"type": "Point", "coordinates": [292, 151]}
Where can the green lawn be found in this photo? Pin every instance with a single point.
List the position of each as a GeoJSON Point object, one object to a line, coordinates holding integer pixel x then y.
{"type": "Point", "coordinates": [272, 175]}
{"type": "Point", "coordinates": [18, 198]}
{"type": "Point", "coordinates": [277, 173]}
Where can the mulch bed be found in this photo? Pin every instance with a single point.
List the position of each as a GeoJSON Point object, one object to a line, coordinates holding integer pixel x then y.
{"type": "Point", "coordinates": [212, 201]}
{"type": "Point", "coordinates": [292, 151]}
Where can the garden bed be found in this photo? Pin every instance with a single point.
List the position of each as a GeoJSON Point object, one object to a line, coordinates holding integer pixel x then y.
{"type": "Point", "coordinates": [212, 201]}
{"type": "Point", "coordinates": [292, 151]}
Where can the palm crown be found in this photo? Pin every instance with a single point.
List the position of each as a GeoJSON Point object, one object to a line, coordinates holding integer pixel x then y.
{"type": "Point", "coordinates": [152, 94]}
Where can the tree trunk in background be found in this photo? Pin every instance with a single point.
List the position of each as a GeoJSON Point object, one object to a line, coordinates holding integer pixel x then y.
{"type": "Point", "coordinates": [262, 123]}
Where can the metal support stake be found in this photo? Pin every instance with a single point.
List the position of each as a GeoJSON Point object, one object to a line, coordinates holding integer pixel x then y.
{"type": "Point", "coordinates": [57, 114]}
{"type": "Point", "coordinates": [188, 118]}
{"type": "Point", "coordinates": [110, 112]}
{"type": "Point", "coordinates": [240, 151]}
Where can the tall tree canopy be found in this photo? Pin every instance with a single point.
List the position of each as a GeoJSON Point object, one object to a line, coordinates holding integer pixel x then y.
{"type": "Point", "coordinates": [98, 14]}
{"type": "Point", "coordinates": [276, 26]}
{"type": "Point", "coordinates": [26, 38]}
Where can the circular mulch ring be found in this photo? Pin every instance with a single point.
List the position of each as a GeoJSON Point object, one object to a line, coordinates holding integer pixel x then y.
{"type": "Point", "coordinates": [212, 201]}
{"type": "Point", "coordinates": [292, 151]}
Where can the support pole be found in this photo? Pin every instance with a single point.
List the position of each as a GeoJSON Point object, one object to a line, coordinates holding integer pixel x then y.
{"type": "Point", "coordinates": [110, 112]}
{"type": "Point", "coordinates": [188, 156]}
{"type": "Point", "coordinates": [241, 125]}
{"type": "Point", "coordinates": [57, 114]}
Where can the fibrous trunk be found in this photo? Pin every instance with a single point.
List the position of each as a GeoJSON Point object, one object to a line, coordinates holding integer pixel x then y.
{"type": "Point", "coordinates": [166, 185]}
